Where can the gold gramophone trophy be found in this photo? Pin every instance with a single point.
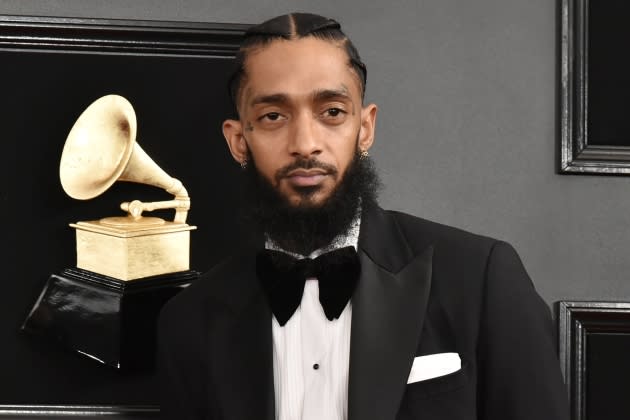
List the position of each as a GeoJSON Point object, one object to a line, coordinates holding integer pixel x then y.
{"type": "Point", "coordinates": [127, 266]}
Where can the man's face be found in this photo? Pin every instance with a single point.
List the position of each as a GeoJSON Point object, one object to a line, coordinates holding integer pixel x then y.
{"type": "Point", "coordinates": [301, 118]}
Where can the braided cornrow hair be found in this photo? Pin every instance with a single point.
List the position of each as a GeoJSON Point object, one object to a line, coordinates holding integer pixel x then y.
{"type": "Point", "coordinates": [288, 27]}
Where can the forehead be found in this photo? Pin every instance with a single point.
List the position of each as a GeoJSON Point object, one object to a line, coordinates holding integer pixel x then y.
{"type": "Point", "coordinates": [298, 68]}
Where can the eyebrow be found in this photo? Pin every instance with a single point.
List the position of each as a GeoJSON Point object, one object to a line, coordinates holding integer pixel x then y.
{"type": "Point", "coordinates": [318, 95]}
{"type": "Point", "coordinates": [276, 98]}
{"type": "Point", "coordinates": [327, 94]}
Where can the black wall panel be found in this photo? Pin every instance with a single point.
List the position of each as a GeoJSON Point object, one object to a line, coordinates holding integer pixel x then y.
{"type": "Point", "coordinates": [174, 74]}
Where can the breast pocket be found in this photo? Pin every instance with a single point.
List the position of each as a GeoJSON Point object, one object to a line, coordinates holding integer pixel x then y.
{"type": "Point", "coordinates": [437, 385]}
{"type": "Point", "coordinates": [450, 397]}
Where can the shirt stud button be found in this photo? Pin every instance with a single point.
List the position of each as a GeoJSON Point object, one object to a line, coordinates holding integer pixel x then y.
{"type": "Point", "coordinates": [316, 366]}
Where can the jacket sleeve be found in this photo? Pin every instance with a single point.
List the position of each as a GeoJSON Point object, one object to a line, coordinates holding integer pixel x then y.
{"type": "Point", "coordinates": [519, 371]}
{"type": "Point", "coordinates": [181, 380]}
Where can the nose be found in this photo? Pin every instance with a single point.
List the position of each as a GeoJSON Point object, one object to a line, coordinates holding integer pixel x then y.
{"type": "Point", "coordinates": [304, 139]}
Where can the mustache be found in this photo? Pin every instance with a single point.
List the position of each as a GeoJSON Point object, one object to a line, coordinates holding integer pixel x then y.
{"type": "Point", "coordinates": [306, 163]}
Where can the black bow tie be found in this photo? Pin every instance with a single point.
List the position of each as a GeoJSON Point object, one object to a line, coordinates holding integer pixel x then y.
{"type": "Point", "coordinates": [283, 277]}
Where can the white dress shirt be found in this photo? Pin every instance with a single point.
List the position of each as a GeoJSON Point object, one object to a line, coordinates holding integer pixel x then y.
{"type": "Point", "coordinates": [311, 354]}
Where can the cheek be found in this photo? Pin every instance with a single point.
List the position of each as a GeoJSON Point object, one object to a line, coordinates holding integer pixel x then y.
{"type": "Point", "coordinates": [268, 145]}
{"type": "Point", "coordinates": [340, 138]}
{"type": "Point", "coordinates": [267, 161]}
{"type": "Point", "coordinates": [265, 167]}
{"type": "Point", "coordinates": [344, 151]}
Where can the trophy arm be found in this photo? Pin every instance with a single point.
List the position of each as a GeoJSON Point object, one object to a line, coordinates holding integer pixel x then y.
{"type": "Point", "coordinates": [181, 203]}
{"type": "Point", "coordinates": [181, 198]}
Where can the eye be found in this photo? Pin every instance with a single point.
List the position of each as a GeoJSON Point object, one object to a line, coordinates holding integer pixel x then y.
{"type": "Point", "coordinates": [334, 112]}
{"type": "Point", "coordinates": [271, 120]}
{"type": "Point", "coordinates": [271, 116]}
{"type": "Point", "coordinates": [333, 115]}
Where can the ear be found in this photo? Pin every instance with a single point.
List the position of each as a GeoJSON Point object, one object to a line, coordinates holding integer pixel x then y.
{"type": "Point", "coordinates": [368, 126]}
{"type": "Point", "coordinates": [233, 133]}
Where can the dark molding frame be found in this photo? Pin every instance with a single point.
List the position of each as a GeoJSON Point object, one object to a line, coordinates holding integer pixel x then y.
{"type": "Point", "coordinates": [100, 36]}
{"type": "Point", "coordinates": [104, 36]}
{"type": "Point", "coordinates": [577, 156]}
{"type": "Point", "coordinates": [78, 412]}
{"type": "Point", "coordinates": [576, 319]}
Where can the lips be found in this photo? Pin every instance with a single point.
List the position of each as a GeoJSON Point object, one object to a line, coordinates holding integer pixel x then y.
{"type": "Point", "coordinates": [306, 178]}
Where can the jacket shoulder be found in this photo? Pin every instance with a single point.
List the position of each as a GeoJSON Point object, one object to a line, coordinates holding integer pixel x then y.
{"type": "Point", "coordinates": [421, 232]}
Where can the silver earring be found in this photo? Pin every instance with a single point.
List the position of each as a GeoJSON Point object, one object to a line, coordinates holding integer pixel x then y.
{"type": "Point", "coordinates": [363, 154]}
{"type": "Point", "coordinates": [244, 164]}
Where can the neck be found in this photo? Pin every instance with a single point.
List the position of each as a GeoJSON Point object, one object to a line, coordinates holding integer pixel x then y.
{"type": "Point", "coordinates": [349, 237]}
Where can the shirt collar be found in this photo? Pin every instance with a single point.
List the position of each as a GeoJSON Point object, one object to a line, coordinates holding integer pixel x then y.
{"type": "Point", "coordinates": [349, 238]}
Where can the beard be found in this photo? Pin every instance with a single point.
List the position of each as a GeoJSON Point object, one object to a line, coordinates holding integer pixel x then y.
{"type": "Point", "coordinates": [304, 227]}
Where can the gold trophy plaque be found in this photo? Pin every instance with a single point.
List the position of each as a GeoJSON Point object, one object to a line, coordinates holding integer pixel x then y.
{"type": "Point", "coordinates": [128, 266]}
{"type": "Point", "coordinates": [100, 150]}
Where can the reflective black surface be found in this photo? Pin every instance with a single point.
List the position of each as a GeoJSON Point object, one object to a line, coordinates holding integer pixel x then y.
{"type": "Point", "coordinates": [108, 320]}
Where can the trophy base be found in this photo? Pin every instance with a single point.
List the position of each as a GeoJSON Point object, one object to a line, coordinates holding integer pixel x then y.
{"type": "Point", "coordinates": [106, 319]}
{"type": "Point", "coordinates": [132, 250]}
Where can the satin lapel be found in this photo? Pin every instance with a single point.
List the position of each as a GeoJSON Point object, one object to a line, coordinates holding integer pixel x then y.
{"type": "Point", "coordinates": [242, 355]}
{"type": "Point", "coordinates": [388, 311]}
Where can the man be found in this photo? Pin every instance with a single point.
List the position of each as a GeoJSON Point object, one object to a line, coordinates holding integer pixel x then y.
{"type": "Point", "coordinates": [422, 321]}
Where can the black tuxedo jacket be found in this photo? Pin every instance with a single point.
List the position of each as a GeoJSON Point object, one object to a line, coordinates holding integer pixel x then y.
{"type": "Point", "coordinates": [425, 288]}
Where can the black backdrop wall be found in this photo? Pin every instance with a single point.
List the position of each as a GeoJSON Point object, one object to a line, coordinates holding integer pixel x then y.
{"type": "Point", "coordinates": [51, 70]}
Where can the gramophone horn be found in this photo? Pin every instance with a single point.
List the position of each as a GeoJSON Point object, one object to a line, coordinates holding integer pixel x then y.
{"type": "Point", "coordinates": [101, 149]}
{"type": "Point", "coordinates": [98, 147]}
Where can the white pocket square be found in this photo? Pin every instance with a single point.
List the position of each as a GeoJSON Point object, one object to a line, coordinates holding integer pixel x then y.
{"type": "Point", "coordinates": [433, 366]}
